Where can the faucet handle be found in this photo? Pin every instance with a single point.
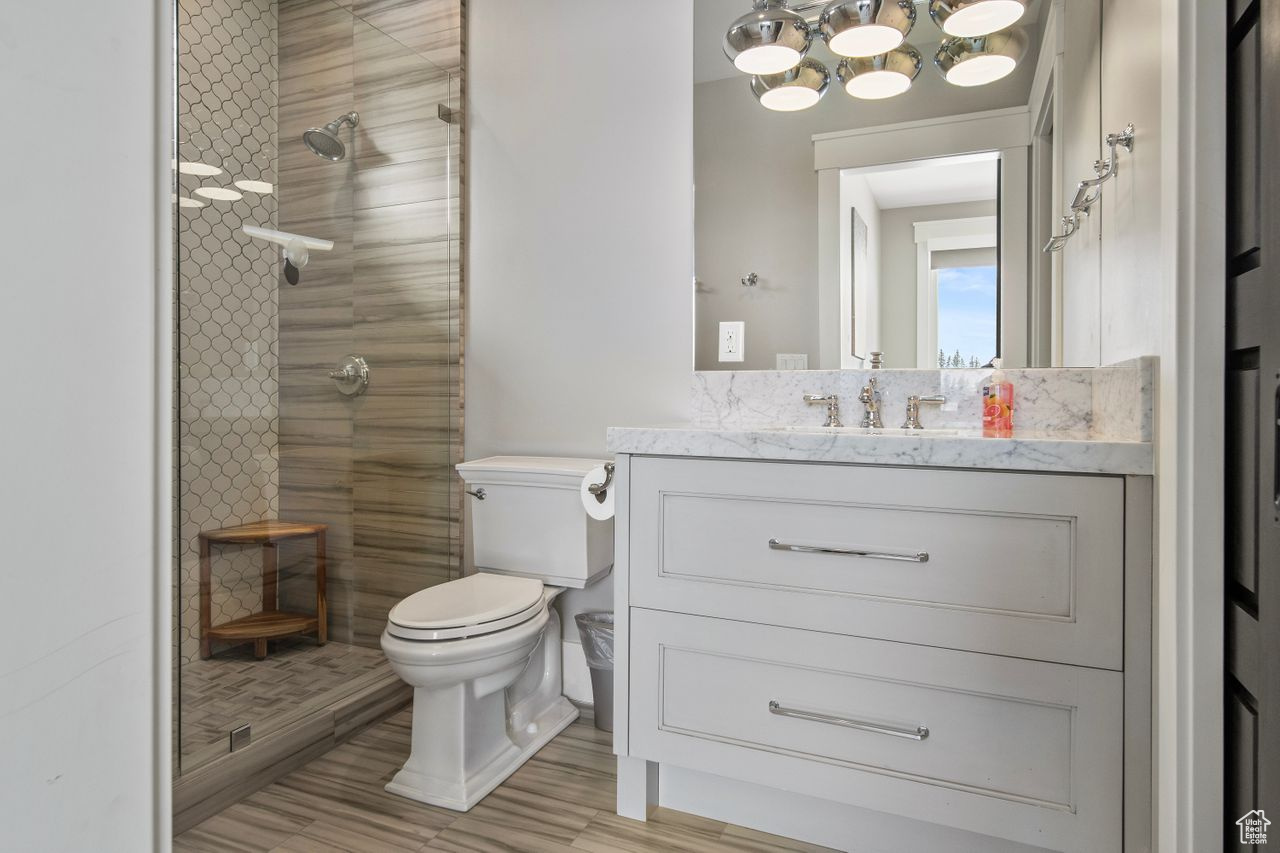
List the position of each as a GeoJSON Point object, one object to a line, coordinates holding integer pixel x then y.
{"type": "Point", "coordinates": [913, 408]}
{"type": "Point", "coordinates": [869, 391]}
{"type": "Point", "coordinates": [833, 407]}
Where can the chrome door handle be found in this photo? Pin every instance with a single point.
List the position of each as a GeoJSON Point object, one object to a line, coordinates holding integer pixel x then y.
{"type": "Point", "coordinates": [478, 494]}
{"type": "Point", "coordinates": [904, 556]}
{"type": "Point", "coordinates": [918, 733]}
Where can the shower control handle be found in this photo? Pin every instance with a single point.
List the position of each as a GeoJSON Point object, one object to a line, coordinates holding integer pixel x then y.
{"type": "Point", "coordinates": [351, 375]}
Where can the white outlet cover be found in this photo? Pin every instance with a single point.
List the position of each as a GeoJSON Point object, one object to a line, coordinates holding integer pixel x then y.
{"type": "Point", "coordinates": [733, 340]}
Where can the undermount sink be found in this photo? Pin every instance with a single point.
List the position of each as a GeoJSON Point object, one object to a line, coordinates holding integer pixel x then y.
{"type": "Point", "coordinates": [859, 430]}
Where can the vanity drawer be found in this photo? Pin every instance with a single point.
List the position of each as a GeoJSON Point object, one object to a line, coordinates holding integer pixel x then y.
{"type": "Point", "coordinates": [1022, 750]}
{"type": "Point", "coordinates": [1030, 565]}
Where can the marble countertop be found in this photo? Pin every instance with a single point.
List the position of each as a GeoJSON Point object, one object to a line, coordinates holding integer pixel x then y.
{"type": "Point", "coordinates": [1058, 451]}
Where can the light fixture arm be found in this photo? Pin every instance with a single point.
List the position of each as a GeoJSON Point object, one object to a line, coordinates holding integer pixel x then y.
{"type": "Point", "coordinates": [802, 8]}
{"type": "Point", "coordinates": [815, 8]}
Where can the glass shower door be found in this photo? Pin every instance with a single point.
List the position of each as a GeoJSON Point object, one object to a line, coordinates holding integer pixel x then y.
{"type": "Point", "coordinates": [288, 468]}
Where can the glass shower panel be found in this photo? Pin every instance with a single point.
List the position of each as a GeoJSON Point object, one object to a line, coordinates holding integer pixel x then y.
{"type": "Point", "coordinates": [306, 497]}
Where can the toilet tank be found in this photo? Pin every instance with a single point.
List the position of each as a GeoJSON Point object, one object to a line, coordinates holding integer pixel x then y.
{"type": "Point", "coordinates": [531, 522]}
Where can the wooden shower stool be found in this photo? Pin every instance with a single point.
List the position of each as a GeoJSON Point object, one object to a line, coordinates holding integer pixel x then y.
{"type": "Point", "coordinates": [270, 623]}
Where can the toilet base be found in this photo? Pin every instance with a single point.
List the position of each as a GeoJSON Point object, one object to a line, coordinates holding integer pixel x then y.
{"type": "Point", "coordinates": [461, 795]}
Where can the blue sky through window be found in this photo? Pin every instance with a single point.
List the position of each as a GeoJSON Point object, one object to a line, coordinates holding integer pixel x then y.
{"type": "Point", "coordinates": [967, 313]}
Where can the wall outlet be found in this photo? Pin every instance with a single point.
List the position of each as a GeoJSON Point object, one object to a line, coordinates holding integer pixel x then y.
{"type": "Point", "coordinates": [732, 335]}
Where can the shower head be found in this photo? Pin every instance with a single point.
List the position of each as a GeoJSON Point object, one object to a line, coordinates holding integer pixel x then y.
{"type": "Point", "coordinates": [325, 142]}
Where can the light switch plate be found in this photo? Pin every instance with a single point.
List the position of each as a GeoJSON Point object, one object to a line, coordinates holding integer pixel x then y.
{"type": "Point", "coordinates": [732, 340]}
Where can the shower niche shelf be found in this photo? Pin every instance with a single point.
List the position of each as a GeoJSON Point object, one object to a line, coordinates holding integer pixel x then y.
{"type": "Point", "coordinates": [269, 623]}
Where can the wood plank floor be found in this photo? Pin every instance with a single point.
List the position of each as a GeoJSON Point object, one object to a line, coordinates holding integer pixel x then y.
{"type": "Point", "coordinates": [562, 799]}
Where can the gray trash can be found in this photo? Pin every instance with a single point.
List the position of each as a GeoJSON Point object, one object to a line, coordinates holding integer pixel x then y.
{"type": "Point", "coordinates": [596, 630]}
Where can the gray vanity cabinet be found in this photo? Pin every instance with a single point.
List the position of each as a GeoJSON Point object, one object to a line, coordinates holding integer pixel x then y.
{"type": "Point", "coordinates": [964, 649]}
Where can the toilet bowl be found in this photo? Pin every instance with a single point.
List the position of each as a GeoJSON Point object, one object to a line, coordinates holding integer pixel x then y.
{"type": "Point", "coordinates": [483, 653]}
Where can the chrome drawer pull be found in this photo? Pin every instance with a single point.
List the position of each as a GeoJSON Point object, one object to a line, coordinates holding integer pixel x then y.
{"type": "Point", "coordinates": [918, 733]}
{"type": "Point", "coordinates": [905, 556]}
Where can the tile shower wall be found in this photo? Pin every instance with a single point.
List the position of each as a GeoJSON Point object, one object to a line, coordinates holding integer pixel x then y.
{"type": "Point", "coordinates": [377, 468]}
{"type": "Point", "coordinates": [226, 303]}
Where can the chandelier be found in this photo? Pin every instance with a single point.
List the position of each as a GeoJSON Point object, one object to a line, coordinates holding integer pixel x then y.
{"type": "Point", "coordinates": [771, 43]}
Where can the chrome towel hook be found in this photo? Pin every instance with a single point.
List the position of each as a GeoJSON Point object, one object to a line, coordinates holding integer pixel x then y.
{"type": "Point", "coordinates": [1089, 191]}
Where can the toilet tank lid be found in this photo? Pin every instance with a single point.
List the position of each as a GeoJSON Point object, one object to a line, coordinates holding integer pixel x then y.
{"type": "Point", "coordinates": [527, 465]}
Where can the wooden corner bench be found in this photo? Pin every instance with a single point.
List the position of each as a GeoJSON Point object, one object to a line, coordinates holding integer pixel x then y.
{"type": "Point", "coordinates": [270, 623]}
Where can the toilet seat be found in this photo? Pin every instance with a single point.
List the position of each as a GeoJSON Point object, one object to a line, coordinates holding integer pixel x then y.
{"type": "Point", "coordinates": [468, 607]}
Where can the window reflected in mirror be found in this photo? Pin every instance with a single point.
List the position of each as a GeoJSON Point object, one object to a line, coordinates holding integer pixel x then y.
{"type": "Point", "coordinates": [966, 309]}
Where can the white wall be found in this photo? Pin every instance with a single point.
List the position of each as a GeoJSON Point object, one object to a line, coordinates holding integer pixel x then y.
{"type": "Point", "coordinates": [748, 214]}
{"type": "Point", "coordinates": [1112, 266]}
{"type": "Point", "coordinates": [579, 257]}
{"type": "Point", "coordinates": [1132, 206]}
{"type": "Point", "coordinates": [83, 692]}
{"type": "Point", "coordinates": [579, 262]}
{"type": "Point", "coordinates": [1079, 135]}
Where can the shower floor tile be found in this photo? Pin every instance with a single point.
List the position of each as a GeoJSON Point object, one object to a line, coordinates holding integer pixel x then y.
{"type": "Point", "coordinates": [232, 689]}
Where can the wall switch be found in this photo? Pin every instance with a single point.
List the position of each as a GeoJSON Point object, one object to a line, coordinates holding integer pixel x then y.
{"type": "Point", "coordinates": [732, 333]}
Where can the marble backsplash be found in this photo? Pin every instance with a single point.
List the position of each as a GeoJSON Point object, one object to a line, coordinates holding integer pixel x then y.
{"type": "Point", "coordinates": [1114, 403]}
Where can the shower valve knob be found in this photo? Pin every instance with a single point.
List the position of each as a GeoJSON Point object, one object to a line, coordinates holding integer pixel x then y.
{"type": "Point", "coordinates": [351, 375]}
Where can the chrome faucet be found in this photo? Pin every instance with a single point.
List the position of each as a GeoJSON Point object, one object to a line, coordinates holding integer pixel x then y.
{"type": "Point", "coordinates": [913, 409]}
{"type": "Point", "coordinates": [833, 407]}
{"type": "Point", "coordinates": [870, 399]}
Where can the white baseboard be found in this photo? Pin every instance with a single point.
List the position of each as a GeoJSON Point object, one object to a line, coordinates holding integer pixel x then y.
{"type": "Point", "coordinates": [577, 678]}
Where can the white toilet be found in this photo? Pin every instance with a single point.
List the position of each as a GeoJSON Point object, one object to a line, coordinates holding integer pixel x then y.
{"type": "Point", "coordinates": [483, 652]}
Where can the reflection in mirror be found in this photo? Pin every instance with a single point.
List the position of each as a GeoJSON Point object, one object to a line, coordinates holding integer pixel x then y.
{"type": "Point", "coordinates": [909, 225]}
{"type": "Point", "coordinates": [920, 263]}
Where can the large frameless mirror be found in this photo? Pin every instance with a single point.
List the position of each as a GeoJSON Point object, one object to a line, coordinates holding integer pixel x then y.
{"type": "Point", "coordinates": [894, 207]}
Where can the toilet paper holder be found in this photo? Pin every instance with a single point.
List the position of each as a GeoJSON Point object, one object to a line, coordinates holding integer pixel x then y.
{"type": "Point", "coordinates": [602, 489]}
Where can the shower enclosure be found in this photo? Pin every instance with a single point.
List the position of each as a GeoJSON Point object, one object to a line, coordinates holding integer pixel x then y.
{"type": "Point", "coordinates": [317, 291]}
